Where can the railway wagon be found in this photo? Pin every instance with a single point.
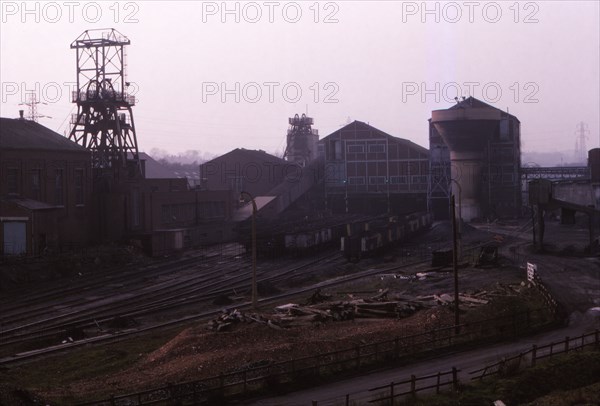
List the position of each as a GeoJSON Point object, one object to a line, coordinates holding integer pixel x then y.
{"type": "Point", "coordinates": [375, 237]}
{"type": "Point", "coordinates": [303, 242]}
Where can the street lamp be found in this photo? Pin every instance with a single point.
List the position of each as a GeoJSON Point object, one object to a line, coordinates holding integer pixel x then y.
{"type": "Point", "coordinates": [456, 248]}
{"type": "Point", "coordinates": [254, 291]}
{"type": "Point", "coordinates": [459, 205]}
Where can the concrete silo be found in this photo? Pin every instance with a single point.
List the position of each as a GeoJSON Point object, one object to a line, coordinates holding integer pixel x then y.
{"type": "Point", "coordinates": [467, 129]}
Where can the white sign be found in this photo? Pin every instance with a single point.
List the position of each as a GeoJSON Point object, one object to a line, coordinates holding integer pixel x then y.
{"type": "Point", "coordinates": [531, 272]}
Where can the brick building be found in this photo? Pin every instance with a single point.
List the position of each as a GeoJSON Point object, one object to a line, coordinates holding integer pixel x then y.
{"type": "Point", "coordinates": [45, 189]}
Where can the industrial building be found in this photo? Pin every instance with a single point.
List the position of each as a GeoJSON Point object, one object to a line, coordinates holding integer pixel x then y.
{"type": "Point", "coordinates": [45, 189]}
{"type": "Point", "coordinates": [252, 171]}
{"type": "Point", "coordinates": [475, 155]}
{"type": "Point", "coordinates": [369, 171]}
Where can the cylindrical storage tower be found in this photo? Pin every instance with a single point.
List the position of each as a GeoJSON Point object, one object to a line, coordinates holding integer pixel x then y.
{"type": "Point", "coordinates": [594, 164]}
{"type": "Point", "coordinates": [467, 132]}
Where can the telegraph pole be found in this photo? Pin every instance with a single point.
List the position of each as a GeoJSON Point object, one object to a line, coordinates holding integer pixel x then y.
{"type": "Point", "coordinates": [455, 265]}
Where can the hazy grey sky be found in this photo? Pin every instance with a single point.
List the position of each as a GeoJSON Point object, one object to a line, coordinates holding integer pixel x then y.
{"type": "Point", "coordinates": [388, 63]}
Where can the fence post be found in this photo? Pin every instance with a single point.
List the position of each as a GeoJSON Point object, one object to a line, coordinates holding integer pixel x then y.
{"type": "Point", "coordinates": [392, 393]}
{"type": "Point", "coordinates": [347, 399]}
{"type": "Point", "coordinates": [413, 385]}
{"type": "Point", "coordinates": [567, 339]}
{"type": "Point", "coordinates": [454, 379]}
{"type": "Point", "coordinates": [112, 400]}
{"type": "Point", "coordinates": [533, 355]}
{"type": "Point", "coordinates": [314, 403]}
{"type": "Point", "coordinates": [317, 366]}
{"type": "Point", "coordinates": [437, 386]}
{"type": "Point", "coordinates": [245, 380]}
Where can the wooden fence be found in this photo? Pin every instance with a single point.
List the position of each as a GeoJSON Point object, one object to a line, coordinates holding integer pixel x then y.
{"type": "Point", "coordinates": [531, 356]}
{"type": "Point", "coordinates": [438, 381]}
{"type": "Point", "coordinates": [314, 368]}
{"type": "Point", "coordinates": [413, 385]}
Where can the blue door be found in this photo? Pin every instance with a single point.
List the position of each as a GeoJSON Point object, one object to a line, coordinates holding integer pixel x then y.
{"type": "Point", "coordinates": [15, 237]}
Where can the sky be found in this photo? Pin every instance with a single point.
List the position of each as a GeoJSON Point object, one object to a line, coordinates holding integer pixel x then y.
{"type": "Point", "coordinates": [214, 76]}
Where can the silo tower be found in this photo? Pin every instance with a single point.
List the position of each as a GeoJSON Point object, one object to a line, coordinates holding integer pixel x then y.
{"type": "Point", "coordinates": [467, 129]}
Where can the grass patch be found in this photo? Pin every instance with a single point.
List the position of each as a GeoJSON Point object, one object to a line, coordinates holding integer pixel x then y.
{"type": "Point", "coordinates": [574, 376]}
{"type": "Point", "coordinates": [88, 362]}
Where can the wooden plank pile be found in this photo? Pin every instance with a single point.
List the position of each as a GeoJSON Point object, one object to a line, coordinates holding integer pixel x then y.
{"type": "Point", "coordinates": [292, 314]}
{"type": "Point", "coordinates": [320, 309]}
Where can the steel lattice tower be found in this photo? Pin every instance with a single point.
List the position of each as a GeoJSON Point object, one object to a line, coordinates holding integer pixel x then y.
{"type": "Point", "coordinates": [104, 121]}
{"type": "Point", "coordinates": [302, 140]}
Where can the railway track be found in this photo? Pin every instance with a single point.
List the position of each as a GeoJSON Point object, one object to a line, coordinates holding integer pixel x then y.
{"type": "Point", "coordinates": [198, 286]}
{"type": "Point", "coordinates": [119, 335]}
{"type": "Point", "coordinates": [187, 286]}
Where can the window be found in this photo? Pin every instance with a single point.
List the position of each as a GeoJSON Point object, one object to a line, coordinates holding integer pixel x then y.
{"type": "Point", "coordinates": [395, 180]}
{"type": "Point", "coordinates": [177, 213]}
{"type": "Point", "coordinates": [35, 184]}
{"type": "Point", "coordinates": [58, 187]}
{"type": "Point", "coordinates": [376, 148]}
{"type": "Point", "coordinates": [356, 149]}
{"type": "Point", "coordinates": [211, 210]}
{"type": "Point", "coordinates": [418, 179]}
{"type": "Point", "coordinates": [13, 181]}
{"type": "Point", "coordinates": [376, 180]}
{"type": "Point", "coordinates": [356, 180]}
{"type": "Point", "coordinates": [79, 195]}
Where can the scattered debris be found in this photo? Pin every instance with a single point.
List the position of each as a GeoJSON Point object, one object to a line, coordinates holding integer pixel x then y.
{"type": "Point", "coordinates": [318, 297]}
{"type": "Point", "coordinates": [320, 309]}
{"type": "Point", "coordinates": [488, 256]}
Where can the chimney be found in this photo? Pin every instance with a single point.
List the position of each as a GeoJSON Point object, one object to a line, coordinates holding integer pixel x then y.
{"type": "Point", "coordinates": [21, 115]}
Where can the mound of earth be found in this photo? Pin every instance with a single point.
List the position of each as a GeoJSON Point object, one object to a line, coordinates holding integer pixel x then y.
{"type": "Point", "coordinates": [195, 353]}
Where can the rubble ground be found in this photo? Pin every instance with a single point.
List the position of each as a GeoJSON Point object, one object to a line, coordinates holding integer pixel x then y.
{"type": "Point", "coordinates": [197, 352]}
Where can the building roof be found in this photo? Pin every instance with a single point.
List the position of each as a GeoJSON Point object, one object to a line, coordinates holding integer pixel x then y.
{"type": "Point", "coordinates": [29, 204]}
{"type": "Point", "coordinates": [473, 103]}
{"type": "Point", "coordinates": [245, 212]}
{"type": "Point", "coordinates": [361, 126]}
{"type": "Point", "coordinates": [250, 154]}
{"type": "Point", "coordinates": [155, 170]}
{"type": "Point", "coordinates": [18, 133]}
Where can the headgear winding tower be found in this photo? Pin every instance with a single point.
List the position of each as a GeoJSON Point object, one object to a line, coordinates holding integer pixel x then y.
{"type": "Point", "coordinates": [302, 140]}
{"type": "Point", "coordinates": [104, 121]}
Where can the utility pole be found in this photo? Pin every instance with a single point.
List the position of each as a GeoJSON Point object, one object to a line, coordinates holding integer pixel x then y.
{"type": "Point", "coordinates": [455, 265]}
{"type": "Point", "coordinates": [254, 289]}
